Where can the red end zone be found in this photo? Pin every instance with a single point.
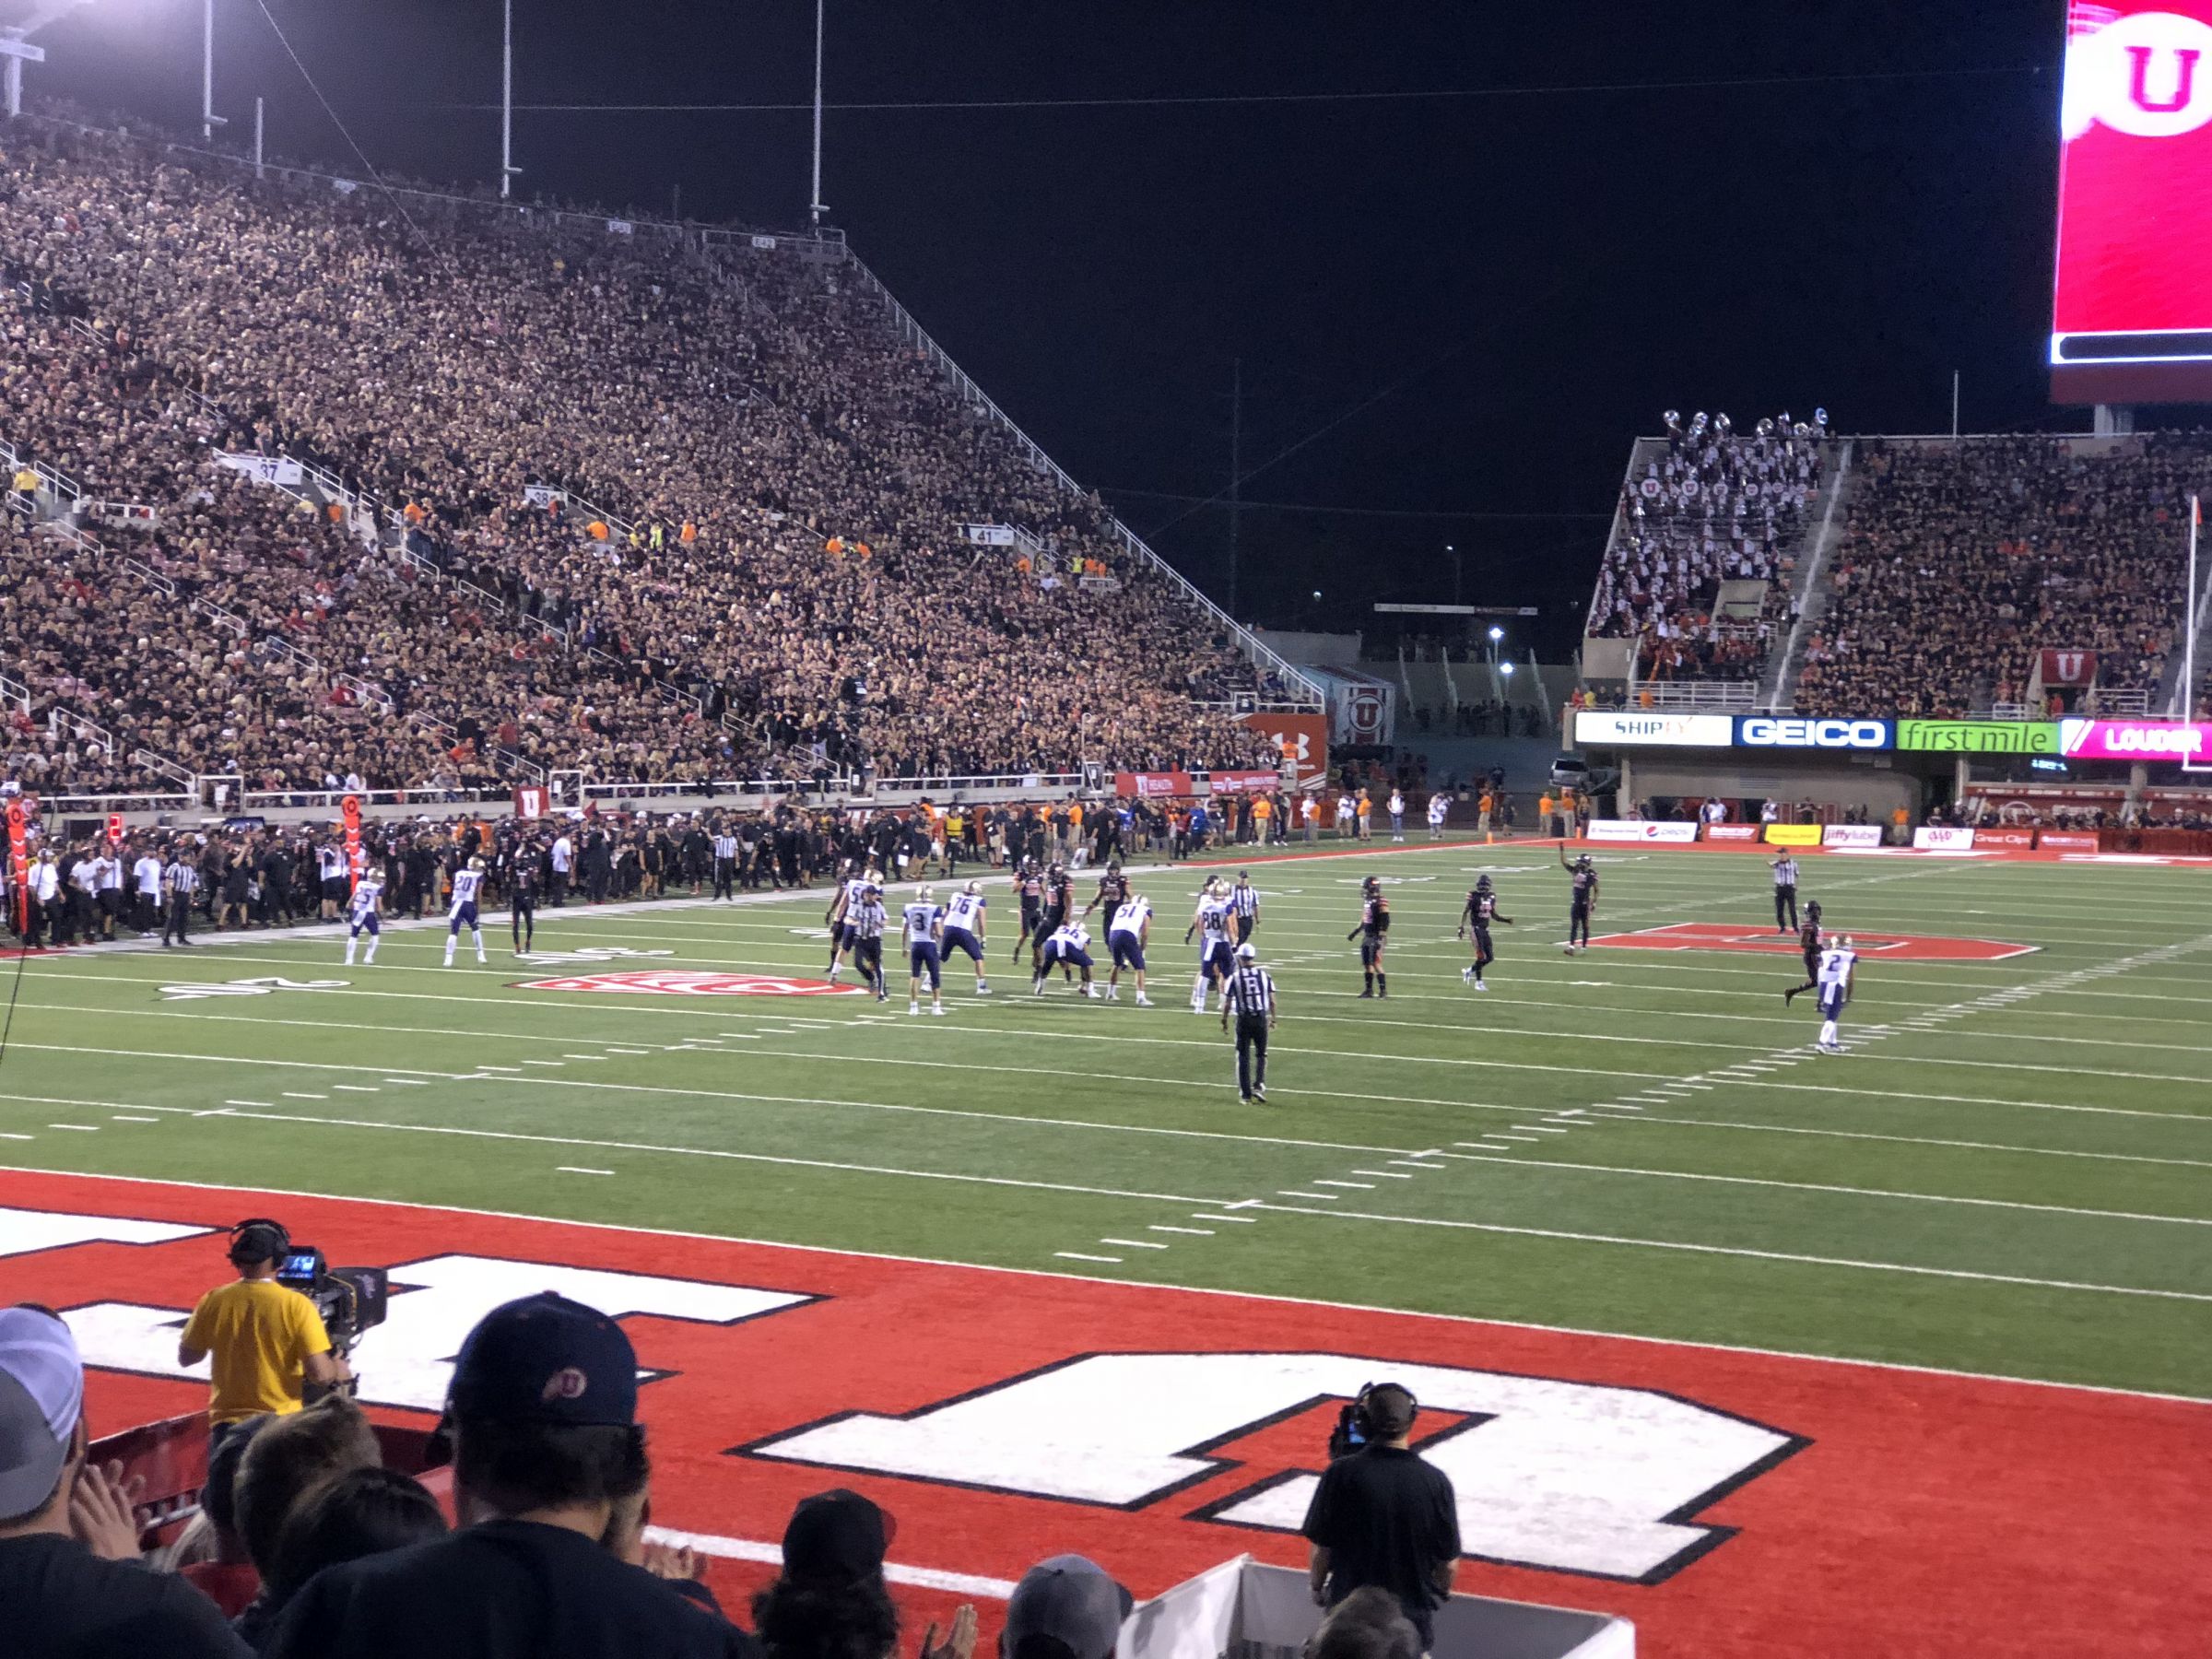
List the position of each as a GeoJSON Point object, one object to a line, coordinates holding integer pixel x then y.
{"type": "Point", "coordinates": [1895, 947]}
{"type": "Point", "coordinates": [678, 981]}
{"type": "Point", "coordinates": [1875, 1511]}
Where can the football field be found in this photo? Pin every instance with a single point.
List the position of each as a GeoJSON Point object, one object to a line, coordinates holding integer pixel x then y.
{"type": "Point", "coordinates": [2009, 1176]}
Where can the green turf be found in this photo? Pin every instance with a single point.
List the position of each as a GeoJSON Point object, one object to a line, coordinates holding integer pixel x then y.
{"type": "Point", "coordinates": [2024, 1189]}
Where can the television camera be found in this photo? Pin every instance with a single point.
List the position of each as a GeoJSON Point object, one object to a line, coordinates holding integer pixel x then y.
{"type": "Point", "coordinates": [351, 1301]}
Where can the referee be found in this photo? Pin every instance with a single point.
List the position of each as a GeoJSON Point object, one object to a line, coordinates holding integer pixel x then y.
{"type": "Point", "coordinates": [1245, 905]}
{"type": "Point", "coordinates": [180, 881]}
{"type": "Point", "coordinates": [725, 863]}
{"type": "Point", "coordinates": [1251, 992]}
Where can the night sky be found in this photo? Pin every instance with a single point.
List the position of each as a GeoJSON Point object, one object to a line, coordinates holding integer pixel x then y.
{"type": "Point", "coordinates": [1513, 286]}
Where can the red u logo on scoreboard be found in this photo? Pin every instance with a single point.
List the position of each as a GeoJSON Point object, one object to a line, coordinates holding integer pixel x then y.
{"type": "Point", "coordinates": [2184, 80]}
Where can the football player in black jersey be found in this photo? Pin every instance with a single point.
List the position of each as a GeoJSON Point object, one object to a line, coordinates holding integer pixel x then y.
{"type": "Point", "coordinates": [521, 896]}
{"type": "Point", "coordinates": [1581, 901]}
{"type": "Point", "coordinates": [1028, 886]}
{"type": "Point", "coordinates": [1372, 933]}
{"type": "Point", "coordinates": [1114, 892]}
{"type": "Point", "coordinates": [1482, 910]}
{"type": "Point", "coordinates": [1059, 898]}
{"type": "Point", "coordinates": [1808, 940]}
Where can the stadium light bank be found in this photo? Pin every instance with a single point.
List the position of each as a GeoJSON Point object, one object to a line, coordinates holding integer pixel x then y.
{"type": "Point", "coordinates": [14, 45]}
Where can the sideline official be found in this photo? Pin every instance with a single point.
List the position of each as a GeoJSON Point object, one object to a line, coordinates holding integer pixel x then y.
{"type": "Point", "coordinates": [1250, 997]}
{"type": "Point", "coordinates": [1381, 1516]}
{"type": "Point", "coordinates": [266, 1339]}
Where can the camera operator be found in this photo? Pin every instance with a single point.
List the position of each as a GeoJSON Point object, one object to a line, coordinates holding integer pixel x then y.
{"type": "Point", "coordinates": [1383, 1516]}
{"type": "Point", "coordinates": [267, 1340]}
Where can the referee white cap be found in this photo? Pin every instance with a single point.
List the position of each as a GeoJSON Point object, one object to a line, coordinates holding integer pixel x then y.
{"type": "Point", "coordinates": [1246, 953]}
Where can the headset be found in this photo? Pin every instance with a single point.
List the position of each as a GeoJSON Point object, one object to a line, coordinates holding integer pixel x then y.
{"type": "Point", "coordinates": [260, 1239]}
{"type": "Point", "coordinates": [1356, 1425]}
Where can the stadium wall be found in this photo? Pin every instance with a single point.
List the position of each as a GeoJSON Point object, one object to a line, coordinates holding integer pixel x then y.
{"type": "Point", "coordinates": [1825, 782]}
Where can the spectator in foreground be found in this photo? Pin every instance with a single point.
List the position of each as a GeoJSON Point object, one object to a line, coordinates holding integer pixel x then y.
{"type": "Point", "coordinates": [359, 1513]}
{"type": "Point", "coordinates": [550, 1479]}
{"type": "Point", "coordinates": [1367, 1624]}
{"type": "Point", "coordinates": [71, 1583]}
{"type": "Point", "coordinates": [1383, 1516]}
{"type": "Point", "coordinates": [831, 1601]}
{"type": "Point", "coordinates": [1064, 1608]}
{"type": "Point", "coordinates": [212, 1556]}
{"type": "Point", "coordinates": [289, 1458]}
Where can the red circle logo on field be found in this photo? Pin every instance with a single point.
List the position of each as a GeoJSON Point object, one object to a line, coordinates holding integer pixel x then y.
{"type": "Point", "coordinates": [676, 982]}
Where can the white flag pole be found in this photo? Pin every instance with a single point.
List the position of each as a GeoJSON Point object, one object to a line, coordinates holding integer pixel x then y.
{"type": "Point", "coordinates": [2196, 518]}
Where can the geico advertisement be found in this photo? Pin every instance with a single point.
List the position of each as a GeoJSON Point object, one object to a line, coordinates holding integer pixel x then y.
{"type": "Point", "coordinates": [1768, 731]}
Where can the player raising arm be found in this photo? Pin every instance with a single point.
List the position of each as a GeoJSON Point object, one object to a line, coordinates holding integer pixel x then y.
{"type": "Point", "coordinates": [1482, 910]}
{"type": "Point", "coordinates": [1581, 900]}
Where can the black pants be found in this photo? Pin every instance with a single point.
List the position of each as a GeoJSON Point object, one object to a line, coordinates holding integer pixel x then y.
{"type": "Point", "coordinates": [1244, 926]}
{"type": "Point", "coordinates": [1484, 955]}
{"type": "Point", "coordinates": [524, 922]}
{"type": "Point", "coordinates": [725, 878]}
{"type": "Point", "coordinates": [1786, 898]}
{"type": "Point", "coordinates": [1251, 1053]}
{"type": "Point", "coordinates": [1577, 924]}
{"type": "Point", "coordinates": [868, 957]}
{"type": "Point", "coordinates": [180, 914]}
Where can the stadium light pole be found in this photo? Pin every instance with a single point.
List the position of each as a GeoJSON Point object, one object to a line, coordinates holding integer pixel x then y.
{"type": "Point", "coordinates": [507, 166]}
{"type": "Point", "coordinates": [814, 196]}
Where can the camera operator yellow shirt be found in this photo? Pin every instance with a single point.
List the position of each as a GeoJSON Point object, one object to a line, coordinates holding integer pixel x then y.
{"type": "Point", "coordinates": [259, 1335]}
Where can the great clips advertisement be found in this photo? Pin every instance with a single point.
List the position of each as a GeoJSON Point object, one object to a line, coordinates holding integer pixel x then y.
{"type": "Point", "coordinates": [2132, 318]}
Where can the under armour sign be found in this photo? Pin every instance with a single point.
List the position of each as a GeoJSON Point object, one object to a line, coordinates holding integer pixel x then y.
{"type": "Point", "coordinates": [1762, 731]}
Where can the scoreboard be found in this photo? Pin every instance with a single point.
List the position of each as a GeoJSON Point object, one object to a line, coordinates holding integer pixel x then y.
{"type": "Point", "coordinates": [2132, 310]}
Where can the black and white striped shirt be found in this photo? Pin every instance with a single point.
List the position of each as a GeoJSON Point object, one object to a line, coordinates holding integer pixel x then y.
{"type": "Point", "coordinates": [1251, 992]}
{"type": "Point", "coordinates": [181, 879]}
{"type": "Point", "coordinates": [1245, 900]}
{"type": "Point", "coordinates": [725, 848]}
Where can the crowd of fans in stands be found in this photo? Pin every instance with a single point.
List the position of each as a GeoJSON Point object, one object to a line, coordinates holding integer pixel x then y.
{"type": "Point", "coordinates": [1962, 560]}
{"type": "Point", "coordinates": [1718, 507]}
{"type": "Point", "coordinates": [779, 568]}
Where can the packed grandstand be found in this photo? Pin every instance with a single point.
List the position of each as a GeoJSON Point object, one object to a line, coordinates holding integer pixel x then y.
{"type": "Point", "coordinates": [567, 495]}
{"type": "Point", "coordinates": [1900, 576]}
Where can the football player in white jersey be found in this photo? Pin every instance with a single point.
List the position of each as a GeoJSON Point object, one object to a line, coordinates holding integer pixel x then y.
{"type": "Point", "coordinates": [838, 919]}
{"type": "Point", "coordinates": [1838, 969]}
{"type": "Point", "coordinates": [964, 930]}
{"type": "Point", "coordinates": [1069, 947]}
{"type": "Point", "coordinates": [466, 884]}
{"type": "Point", "coordinates": [362, 917]}
{"type": "Point", "coordinates": [1126, 936]}
{"type": "Point", "coordinates": [1211, 923]}
{"type": "Point", "coordinates": [923, 923]}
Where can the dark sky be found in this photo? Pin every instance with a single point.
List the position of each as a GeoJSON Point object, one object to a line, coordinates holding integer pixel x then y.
{"type": "Point", "coordinates": [1526, 280]}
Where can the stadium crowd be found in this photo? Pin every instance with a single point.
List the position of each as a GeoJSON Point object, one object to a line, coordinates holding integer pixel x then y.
{"type": "Point", "coordinates": [789, 572]}
{"type": "Point", "coordinates": [1718, 507]}
{"type": "Point", "coordinates": [1961, 559]}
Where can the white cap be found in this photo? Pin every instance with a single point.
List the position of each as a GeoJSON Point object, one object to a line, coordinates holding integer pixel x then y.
{"type": "Point", "coordinates": [1246, 953]}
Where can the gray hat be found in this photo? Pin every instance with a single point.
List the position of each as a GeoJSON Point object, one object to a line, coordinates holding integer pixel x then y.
{"type": "Point", "coordinates": [1071, 1600]}
{"type": "Point", "coordinates": [42, 1397]}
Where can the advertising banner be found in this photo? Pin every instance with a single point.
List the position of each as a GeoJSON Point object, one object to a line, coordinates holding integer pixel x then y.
{"type": "Point", "coordinates": [1942, 838]}
{"type": "Point", "coordinates": [1852, 835]}
{"type": "Point", "coordinates": [1658, 731]}
{"type": "Point", "coordinates": [1793, 835]}
{"type": "Point", "coordinates": [1362, 709]}
{"type": "Point", "coordinates": [1153, 785]}
{"type": "Point", "coordinates": [1732, 832]}
{"type": "Point", "coordinates": [1635, 830]}
{"type": "Point", "coordinates": [2066, 840]}
{"type": "Point", "coordinates": [2135, 739]}
{"type": "Point", "coordinates": [2018, 841]}
{"type": "Point", "coordinates": [1768, 731]}
{"type": "Point", "coordinates": [1978, 737]}
{"type": "Point", "coordinates": [1242, 782]}
{"type": "Point", "coordinates": [1303, 739]}
{"type": "Point", "coordinates": [265, 469]}
{"type": "Point", "coordinates": [2132, 305]}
